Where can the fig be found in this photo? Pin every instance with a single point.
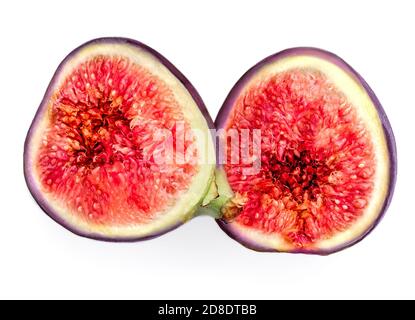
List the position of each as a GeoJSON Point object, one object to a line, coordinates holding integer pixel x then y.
{"type": "Point", "coordinates": [121, 149]}
{"type": "Point", "coordinates": [96, 157]}
{"type": "Point", "coordinates": [325, 161]}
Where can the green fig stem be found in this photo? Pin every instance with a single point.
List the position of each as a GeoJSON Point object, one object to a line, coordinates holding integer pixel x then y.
{"type": "Point", "coordinates": [220, 202]}
{"type": "Point", "coordinates": [214, 207]}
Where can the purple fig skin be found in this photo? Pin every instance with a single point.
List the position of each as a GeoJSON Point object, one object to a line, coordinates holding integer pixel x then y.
{"type": "Point", "coordinates": [225, 112]}
{"type": "Point", "coordinates": [41, 113]}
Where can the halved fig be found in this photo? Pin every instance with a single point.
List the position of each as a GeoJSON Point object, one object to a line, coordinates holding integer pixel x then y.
{"type": "Point", "coordinates": [95, 156]}
{"type": "Point", "coordinates": [325, 166]}
{"type": "Point", "coordinates": [120, 150]}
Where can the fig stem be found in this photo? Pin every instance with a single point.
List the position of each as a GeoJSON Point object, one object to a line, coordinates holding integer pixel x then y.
{"type": "Point", "coordinates": [217, 197]}
{"type": "Point", "coordinates": [213, 209]}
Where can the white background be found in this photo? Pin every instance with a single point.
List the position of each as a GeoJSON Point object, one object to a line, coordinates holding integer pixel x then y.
{"type": "Point", "coordinates": [213, 44]}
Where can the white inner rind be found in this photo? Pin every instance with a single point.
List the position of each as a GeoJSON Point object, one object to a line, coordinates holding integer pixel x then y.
{"type": "Point", "coordinates": [187, 202]}
{"type": "Point", "coordinates": [356, 94]}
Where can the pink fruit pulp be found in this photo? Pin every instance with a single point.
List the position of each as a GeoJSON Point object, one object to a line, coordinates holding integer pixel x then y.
{"type": "Point", "coordinates": [95, 158]}
{"type": "Point", "coordinates": [317, 162]}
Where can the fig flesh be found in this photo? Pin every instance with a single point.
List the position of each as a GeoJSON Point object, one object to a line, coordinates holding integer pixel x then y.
{"type": "Point", "coordinates": [121, 150]}
{"type": "Point", "coordinates": [327, 155]}
{"type": "Point", "coordinates": [95, 156]}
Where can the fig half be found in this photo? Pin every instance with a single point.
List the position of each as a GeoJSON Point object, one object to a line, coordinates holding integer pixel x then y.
{"type": "Point", "coordinates": [325, 160]}
{"type": "Point", "coordinates": [102, 156]}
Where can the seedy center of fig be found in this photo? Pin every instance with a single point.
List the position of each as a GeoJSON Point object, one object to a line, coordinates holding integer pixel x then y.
{"type": "Point", "coordinates": [97, 128]}
{"type": "Point", "coordinates": [297, 173]}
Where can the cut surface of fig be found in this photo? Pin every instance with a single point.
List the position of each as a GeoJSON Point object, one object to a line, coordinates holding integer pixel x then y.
{"type": "Point", "coordinates": [112, 152]}
{"type": "Point", "coordinates": [327, 155]}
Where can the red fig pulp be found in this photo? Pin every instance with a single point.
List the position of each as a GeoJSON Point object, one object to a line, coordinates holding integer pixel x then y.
{"type": "Point", "coordinates": [121, 149]}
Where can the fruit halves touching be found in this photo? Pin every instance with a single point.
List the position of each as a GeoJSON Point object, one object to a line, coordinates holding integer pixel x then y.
{"type": "Point", "coordinates": [121, 149]}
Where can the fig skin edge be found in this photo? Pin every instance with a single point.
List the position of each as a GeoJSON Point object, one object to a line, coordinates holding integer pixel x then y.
{"type": "Point", "coordinates": [226, 109]}
{"type": "Point", "coordinates": [40, 114]}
